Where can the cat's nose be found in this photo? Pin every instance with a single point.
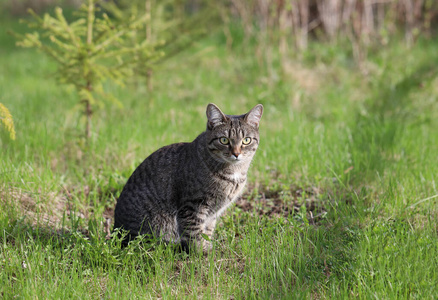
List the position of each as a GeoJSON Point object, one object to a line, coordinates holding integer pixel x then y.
{"type": "Point", "coordinates": [235, 153]}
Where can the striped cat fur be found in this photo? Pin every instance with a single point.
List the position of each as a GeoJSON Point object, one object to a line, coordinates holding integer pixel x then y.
{"type": "Point", "coordinates": [178, 192]}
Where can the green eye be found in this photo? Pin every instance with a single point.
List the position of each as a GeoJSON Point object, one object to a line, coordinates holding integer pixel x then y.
{"type": "Point", "coordinates": [224, 141]}
{"type": "Point", "coordinates": [246, 141]}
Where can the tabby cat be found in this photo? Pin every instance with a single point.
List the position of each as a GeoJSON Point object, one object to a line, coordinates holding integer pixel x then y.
{"type": "Point", "coordinates": [179, 191]}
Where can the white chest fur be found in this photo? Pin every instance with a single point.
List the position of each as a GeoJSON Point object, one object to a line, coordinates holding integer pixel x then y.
{"type": "Point", "coordinates": [236, 176]}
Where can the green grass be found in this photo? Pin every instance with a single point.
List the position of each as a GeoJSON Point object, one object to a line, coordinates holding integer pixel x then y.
{"type": "Point", "coordinates": [366, 143]}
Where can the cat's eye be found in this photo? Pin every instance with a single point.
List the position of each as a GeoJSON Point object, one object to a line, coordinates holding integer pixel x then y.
{"type": "Point", "coordinates": [246, 141]}
{"type": "Point", "coordinates": [224, 141]}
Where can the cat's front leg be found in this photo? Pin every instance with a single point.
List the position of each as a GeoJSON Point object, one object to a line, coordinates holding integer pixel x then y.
{"type": "Point", "coordinates": [190, 227]}
{"type": "Point", "coordinates": [210, 225]}
{"type": "Point", "coordinates": [206, 235]}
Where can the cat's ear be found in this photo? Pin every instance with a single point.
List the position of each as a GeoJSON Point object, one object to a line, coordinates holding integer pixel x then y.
{"type": "Point", "coordinates": [254, 115]}
{"type": "Point", "coordinates": [215, 116]}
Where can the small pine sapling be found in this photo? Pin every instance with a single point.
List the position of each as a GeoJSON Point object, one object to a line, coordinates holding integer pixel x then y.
{"type": "Point", "coordinates": [91, 50]}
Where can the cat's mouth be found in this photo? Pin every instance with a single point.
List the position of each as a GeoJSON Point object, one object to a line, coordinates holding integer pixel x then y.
{"type": "Point", "coordinates": [233, 159]}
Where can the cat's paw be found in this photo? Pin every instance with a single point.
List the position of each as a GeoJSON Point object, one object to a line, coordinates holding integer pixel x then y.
{"type": "Point", "coordinates": [207, 247]}
{"type": "Point", "coordinates": [203, 246]}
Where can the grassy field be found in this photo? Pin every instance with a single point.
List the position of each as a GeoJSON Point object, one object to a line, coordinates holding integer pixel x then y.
{"type": "Point", "coordinates": [342, 195]}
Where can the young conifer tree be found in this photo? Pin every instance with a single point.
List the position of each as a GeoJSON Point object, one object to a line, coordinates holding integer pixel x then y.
{"type": "Point", "coordinates": [91, 50]}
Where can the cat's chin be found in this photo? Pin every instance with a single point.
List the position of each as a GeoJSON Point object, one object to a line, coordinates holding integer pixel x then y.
{"type": "Point", "coordinates": [232, 160]}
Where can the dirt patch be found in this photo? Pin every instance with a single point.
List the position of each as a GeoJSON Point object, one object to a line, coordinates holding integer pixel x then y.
{"type": "Point", "coordinates": [284, 203]}
{"type": "Point", "coordinates": [51, 212]}
{"type": "Point", "coordinates": [35, 207]}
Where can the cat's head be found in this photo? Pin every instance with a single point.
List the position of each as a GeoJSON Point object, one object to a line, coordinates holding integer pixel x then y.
{"type": "Point", "coordinates": [233, 139]}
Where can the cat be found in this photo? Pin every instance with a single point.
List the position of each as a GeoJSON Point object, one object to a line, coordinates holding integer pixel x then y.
{"type": "Point", "coordinates": [180, 190]}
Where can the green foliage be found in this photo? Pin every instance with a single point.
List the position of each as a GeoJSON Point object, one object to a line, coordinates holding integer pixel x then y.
{"type": "Point", "coordinates": [91, 50]}
{"type": "Point", "coordinates": [8, 122]}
